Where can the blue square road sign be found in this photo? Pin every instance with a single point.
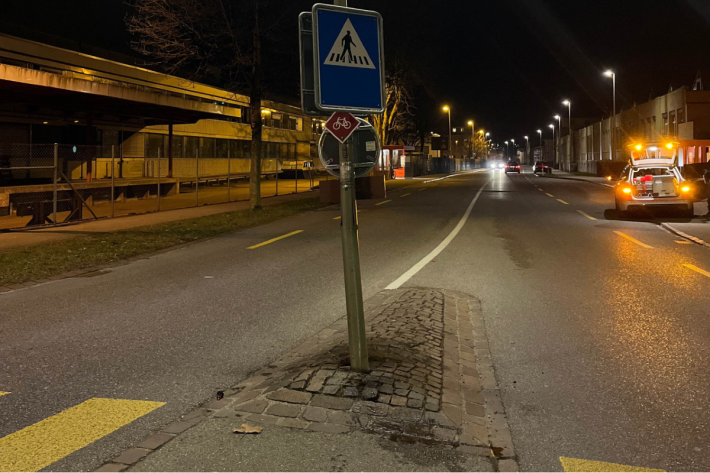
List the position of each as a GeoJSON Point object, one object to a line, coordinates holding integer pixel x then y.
{"type": "Point", "coordinates": [349, 59]}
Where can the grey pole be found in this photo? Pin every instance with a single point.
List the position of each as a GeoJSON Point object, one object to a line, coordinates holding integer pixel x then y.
{"type": "Point", "coordinates": [54, 196]}
{"type": "Point", "coordinates": [158, 179]}
{"type": "Point", "coordinates": [451, 150]}
{"type": "Point", "coordinates": [229, 174]}
{"type": "Point", "coordinates": [113, 182]}
{"type": "Point", "coordinates": [351, 256]}
{"type": "Point", "coordinates": [197, 176]}
{"type": "Point", "coordinates": [613, 82]}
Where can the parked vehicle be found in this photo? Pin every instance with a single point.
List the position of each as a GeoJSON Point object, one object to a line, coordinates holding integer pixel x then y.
{"type": "Point", "coordinates": [541, 167]}
{"type": "Point", "coordinates": [653, 179]}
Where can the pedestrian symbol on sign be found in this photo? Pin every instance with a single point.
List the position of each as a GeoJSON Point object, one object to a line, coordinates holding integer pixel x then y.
{"type": "Point", "coordinates": [348, 50]}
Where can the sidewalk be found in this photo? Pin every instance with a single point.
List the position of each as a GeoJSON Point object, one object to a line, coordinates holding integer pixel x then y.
{"type": "Point", "coordinates": [430, 402]}
{"type": "Point", "coordinates": [576, 177]}
{"type": "Point", "coordinates": [52, 234]}
{"type": "Point", "coordinates": [43, 235]}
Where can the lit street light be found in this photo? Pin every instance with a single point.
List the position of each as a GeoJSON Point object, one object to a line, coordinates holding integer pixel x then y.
{"type": "Point", "coordinates": [447, 109]}
{"type": "Point", "coordinates": [552, 125]}
{"type": "Point", "coordinates": [509, 157]}
{"type": "Point", "coordinates": [527, 147]}
{"type": "Point", "coordinates": [569, 109]}
{"type": "Point", "coordinates": [471, 123]}
{"type": "Point", "coordinates": [613, 120]}
{"type": "Point", "coordinates": [507, 151]}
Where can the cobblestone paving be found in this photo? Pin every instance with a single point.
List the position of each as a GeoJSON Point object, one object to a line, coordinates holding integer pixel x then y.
{"type": "Point", "coordinates": [431, 380]}
{"type": "Point", "coordinates": [423, 381]}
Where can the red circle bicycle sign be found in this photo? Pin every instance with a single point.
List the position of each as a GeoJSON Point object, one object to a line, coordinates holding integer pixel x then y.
{"type": "Point", "coordinates": [342, 125]}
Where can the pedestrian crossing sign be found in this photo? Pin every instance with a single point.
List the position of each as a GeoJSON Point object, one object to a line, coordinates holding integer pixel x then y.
{"type": "Point", "coordinates": [348, 59]}
{"type": "Point", "coordinates": [348, 51]}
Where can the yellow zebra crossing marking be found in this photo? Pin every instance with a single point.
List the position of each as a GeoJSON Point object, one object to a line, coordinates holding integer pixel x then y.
{"type": "Point", "coordinates": [577, 464]}
{"type": "Point", "coordinates": [41, 444]}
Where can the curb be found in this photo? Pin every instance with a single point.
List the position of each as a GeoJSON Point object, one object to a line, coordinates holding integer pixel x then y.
{"type": "Point", "coordinates": [688, 237]}
{"type": "Point", "coordinates": [581, 180]}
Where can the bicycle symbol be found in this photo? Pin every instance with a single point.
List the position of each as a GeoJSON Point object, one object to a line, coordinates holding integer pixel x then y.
{"type": "Point", "coordinates": [342, 121]}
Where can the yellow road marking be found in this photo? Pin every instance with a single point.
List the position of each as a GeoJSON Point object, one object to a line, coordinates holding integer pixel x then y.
{"type": "Point", "coordinates": [422, 189]}
{"type": "Point", "coordinates": [549, 195]}
{"type": "Point", "coordinates": [586, 215]}
{"type": "Point", "coordinates": [405, 195]}
{"type": "Point", "coordinates": [577, 464]}
{"type": "Point", "coordinates": [383, 202]}
{"type": "Point", "coordinates": [2, 393]}
{"type": "Point", "coordinates": [697, 270]}
{"type": "Point", "coordinates": [560, 200]}
{"type": "Point", "coordinates": [53, 438]}
{"type": "Point", "coordinates": [540, 189]}
{"type": "Point", "coordinates": [275, 239]}
{"type": "Point", "coordinates": [683, 242]}
{"type": "Point", "coordinates": [630, 238]}
{"type": "Point", "coordinates": [339, 217]}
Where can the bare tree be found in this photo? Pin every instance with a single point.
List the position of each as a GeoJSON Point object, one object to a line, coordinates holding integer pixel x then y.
{"type": "Point", "coordinates": [206, 38]}
{"type": "Point", "coordinates": [393, 124]}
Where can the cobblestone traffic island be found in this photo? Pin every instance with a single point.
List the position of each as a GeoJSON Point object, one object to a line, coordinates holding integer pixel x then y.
{"type": "Point", "coordinates": [423, 384]}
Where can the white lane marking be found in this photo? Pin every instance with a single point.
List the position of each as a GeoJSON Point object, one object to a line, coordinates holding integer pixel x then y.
{"type": "Point", "coordinates": [442, 246]}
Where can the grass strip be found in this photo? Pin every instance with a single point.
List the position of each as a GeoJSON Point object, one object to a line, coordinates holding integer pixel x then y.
{"type": "Point", "coordinates": [39, 262]}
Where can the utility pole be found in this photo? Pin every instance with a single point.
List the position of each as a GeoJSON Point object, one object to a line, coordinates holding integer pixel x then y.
{"type": "Point", "coordinates": [351, 255]}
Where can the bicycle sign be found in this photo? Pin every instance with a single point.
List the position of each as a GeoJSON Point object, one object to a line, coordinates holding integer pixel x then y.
{"type": "Point", "coordinates": [341, 125]}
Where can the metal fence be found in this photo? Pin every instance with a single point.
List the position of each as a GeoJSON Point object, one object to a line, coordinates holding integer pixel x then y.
{"type": "Point", "coordinates": [55, 184]}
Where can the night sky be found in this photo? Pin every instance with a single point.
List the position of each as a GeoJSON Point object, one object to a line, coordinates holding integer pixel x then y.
{"type": "Point", "coordinates": [506, 63]}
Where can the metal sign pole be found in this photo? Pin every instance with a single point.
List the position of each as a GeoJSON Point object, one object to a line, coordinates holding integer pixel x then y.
{"type": "Point", "coordinates": [351, 262]}
{"type": "Point", "coordinates": [351, 256]}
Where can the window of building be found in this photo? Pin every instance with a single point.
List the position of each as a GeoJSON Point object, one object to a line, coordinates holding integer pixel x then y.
{"type": "Point", "coordinates": [178, 144]}
{"type": "Point", "coordinates": [222, 149]}
{"type": "Point", "coordinates": [665, 123]}
{"type": "Point", "coordinates": [191, 145]}
{"type": "Point", "coordinates": [207, 147]}
{"type": "Point", "coordinates": [153, 143]}
{"type": "Point", "coordinates": [671, 119]}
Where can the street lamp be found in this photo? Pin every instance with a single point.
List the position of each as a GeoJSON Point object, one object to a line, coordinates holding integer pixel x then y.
{"type": "Point", "coordinates": [513, 147]}
{"type": "Point", "coordinates": [527, 147]}
{"type": "Point", "coordinates": [507, 152]}
{"type": "Point", "coordinates": [473, 134]}
{"type": "Point", "coordinates": [552, 125]}
{"type": "Point", "coordinates": [447, 109]}
{"type": "Point", "coordinates": [613, 82]}
{"type": "Point", "coordinates": [569, 109]}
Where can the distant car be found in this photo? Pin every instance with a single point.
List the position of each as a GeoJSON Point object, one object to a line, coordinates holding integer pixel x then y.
{"type": "Point", "coordinates": [512, 166]}
{"type": "Point", "coordinates": [653, 179]}
{"type": "Point", "coordinates": [541, 166]}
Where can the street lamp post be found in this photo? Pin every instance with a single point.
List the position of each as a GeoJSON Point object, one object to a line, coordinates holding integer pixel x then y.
{"type": "Point", "coordinates": [552, 125]}
{"type": "Point", "coordinates": [513, 141]}
{"type": "Point", "coordinates": [569, 130]}
{"type": "Point", "coordinates": [471, 123]}
{"type": "Point", "coordinates": [539, 132]}
{"type": "Point", "coordinates": [447, 109]}
{"type": "Point", "coordinates": [527, 149]}
{"type": "Point", "coordinates": [559, 133]}
{"type": "Point", "coordinates": [507, 151]}
{"type": "Point", "coordinates": [613, 117]}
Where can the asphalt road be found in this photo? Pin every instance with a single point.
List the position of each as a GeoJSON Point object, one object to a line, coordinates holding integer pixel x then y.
{"type": "Point", "coordinates": [599, 339]}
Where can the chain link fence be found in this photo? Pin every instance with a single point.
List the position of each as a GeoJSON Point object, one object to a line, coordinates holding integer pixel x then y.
{"type": "Point", "coordinates": [52, 184]}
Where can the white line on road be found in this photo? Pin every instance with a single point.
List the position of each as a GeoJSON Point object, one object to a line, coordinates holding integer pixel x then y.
{"type": "Point", "coordinates": [442, 246]}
